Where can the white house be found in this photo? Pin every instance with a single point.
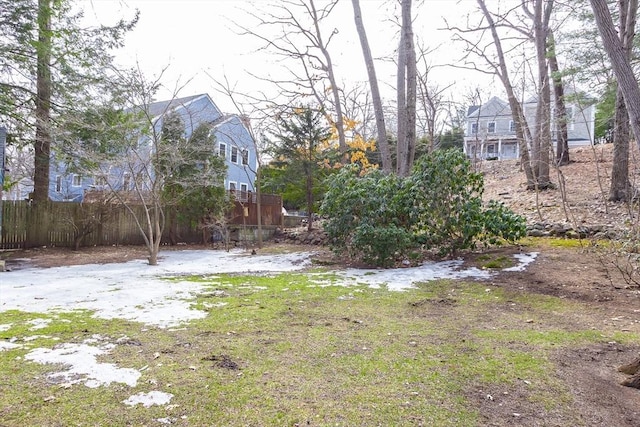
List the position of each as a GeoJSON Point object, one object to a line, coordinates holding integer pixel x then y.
{"type": "Point", "coordinates": [491, 131]}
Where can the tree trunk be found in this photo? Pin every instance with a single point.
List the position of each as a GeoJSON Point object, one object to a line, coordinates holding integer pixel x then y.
{"type": "Point", "coordinates": [620, 189]}
{"type": "Point", "coordinates": [42, 149]}
{"type": "Point", "coordinates": [523, 133]}
{"type": "Point", "coordinates": [383, 144]}
{"type": "Point", "coordinates": [309, 202]}
{"type": "Point", "coordinates": [621, 67]}
{"type": "Point", "coordinates": [406, 94]}
{"type": "Point", "coordinates": [410, 52]}
{"type": "Point", "coordinates": [259, 206]}
{"type": "Point", "coordinates": [401, 100]}
{"type": "Point", "coordinates": [542, 137]}
{"type": "Point", "coordinates": [562, 133]}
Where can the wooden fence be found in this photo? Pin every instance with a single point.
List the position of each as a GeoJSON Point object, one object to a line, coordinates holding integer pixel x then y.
{"type": "Point", "coordinates": [95, 224]}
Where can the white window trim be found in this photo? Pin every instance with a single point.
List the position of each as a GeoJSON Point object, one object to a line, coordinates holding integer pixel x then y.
{"type": "Point", "coordinates": [489, 125]}
{"type": "Point", "coordinates": [58, 183]}
{"type": "Point", "coordinates": [235, 186]}
{"type": "Point", "coordinates": [474, 128]}
{"type": "Point", "coordinates": [126, 181]}
{"type": "Point", "coordinates": [237, 161]}
{"type": "Point", "coordinates": [244, 157]}
{"type": "Point", "coordinates": [512, 126]}
{"type": "Point", "coordinates": [222, 153]}
{"type": "Point", "coordinates": [73, 180]}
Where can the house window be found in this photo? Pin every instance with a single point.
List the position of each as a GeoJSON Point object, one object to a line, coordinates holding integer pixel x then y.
{"type": "Point", "coordinates": [512, 126]}
{"type": "Point", "coordinates": [474, 128]}
{"type": "Point", "coordinates": [244, 192]}
{"type": "Point", "coordinates": [234, 154]}
{"type": "Point", "coordinates": [232, 186]}
{"type": "Point", "coordinates": [59, 183]}
{"type": "Point", "coordinates": [491, 149]}
{"type": "Point", "coordinates": [570, 118]}
{"type": "Point", "coordinates": [222, 150]}
{"type": "Point", "coordinates": [491, 127]}
{"type": "Point", "coordinates": [77, 180]}
{"type": "Point", "coordinates": [245, 156]}
{"type": "Point", "coordinates": [126, 181]}
{"type": "Point", "coordinates": [100, 181]}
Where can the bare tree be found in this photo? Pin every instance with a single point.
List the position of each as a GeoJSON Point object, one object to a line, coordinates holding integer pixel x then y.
{"type": "Point", "coordinates": [383, 144]}
{"type": "Point", "coordinates": [431, 100]}
{"type": "Point", "coordinates": [540, 149]}
{"type": "Point", "coordinates": [145, 157]}
{"type": "Point", "coordinates": [497, 65]}
{"type": "Point", "coordinates": [300, 37]}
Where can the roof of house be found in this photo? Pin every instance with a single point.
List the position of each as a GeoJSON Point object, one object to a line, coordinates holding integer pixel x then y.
{"type": "Point", "coordinates": [161, 107]}
{"type": "Point", "coordinates": [492, 108]}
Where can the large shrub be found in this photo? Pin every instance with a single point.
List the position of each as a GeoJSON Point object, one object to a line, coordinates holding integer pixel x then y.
{"type": "Point", "coordinates": [443, 196]}
{"type": "Point", "coordinates": [378, 217]}
{"type": "Point", "coordinates": [362, 214]}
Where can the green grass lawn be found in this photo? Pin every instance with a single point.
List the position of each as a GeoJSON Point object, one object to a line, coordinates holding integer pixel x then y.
{"type": "Point", "coordinates": [293, 350]}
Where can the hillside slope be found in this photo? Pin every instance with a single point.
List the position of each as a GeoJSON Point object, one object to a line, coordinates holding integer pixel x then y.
{"type": "Point", "coordinates": [584, 201]}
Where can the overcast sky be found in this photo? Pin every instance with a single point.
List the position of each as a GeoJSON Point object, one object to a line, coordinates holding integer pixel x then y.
{"type": "Point", "coordinates": [196, 39]}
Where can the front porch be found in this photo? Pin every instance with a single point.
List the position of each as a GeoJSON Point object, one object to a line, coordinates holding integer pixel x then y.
{"type": "Point", "coordinates": [494, 149]}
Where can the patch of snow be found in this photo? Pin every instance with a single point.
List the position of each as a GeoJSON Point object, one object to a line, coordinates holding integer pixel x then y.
{"type": "Point", "coordinates": [35, 337]}
{"type": "Point", "coordinates": [134, 290]}
{"type": "Point", "coordinates": [149, 399]}
{"type": "Point", "coordinates": [82, 365]}
{"type": "Point", "coordinates": [5, 327]}
{"type": "Point", "coordinates": [524, 261]}
{"type": "Point", "coordinates": [400, 279]}
{"type": "Point", "coordinates": [7, 345]}
{"type": "Point", "coordinates": [39, 323]}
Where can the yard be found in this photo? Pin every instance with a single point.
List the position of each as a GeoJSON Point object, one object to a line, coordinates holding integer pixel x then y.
{"type": "Point", "coordinates": [292, 337]}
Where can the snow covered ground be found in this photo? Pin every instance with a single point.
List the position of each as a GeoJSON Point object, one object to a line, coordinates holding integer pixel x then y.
{"type": "Point", "coordinates": [139, 292]}
{"type": "Point", "coordinates": [136, 291]}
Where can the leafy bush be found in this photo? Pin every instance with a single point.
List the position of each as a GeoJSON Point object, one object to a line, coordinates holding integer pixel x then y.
{"type": "Point", "coordinates": [379, 217]}
{"type": "Point", "coordinates": [363, 215]}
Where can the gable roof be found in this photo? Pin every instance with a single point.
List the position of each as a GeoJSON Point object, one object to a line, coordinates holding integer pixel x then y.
{"type": "Point", "coordinates": [160, 107]}
{"type": "Point", "coordinates": [492, 108]}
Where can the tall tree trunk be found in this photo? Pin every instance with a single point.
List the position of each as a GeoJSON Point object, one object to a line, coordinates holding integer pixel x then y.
{"type": "Point", "coordinates": [37, 232]}
{"type": "Point", "coordinates": [620, 188]}
{"type": "Point", "coordinates": [621, 67]}
{"type": "Point", "coordinates": [406, 94]}
{"type": "Point", "coordinates": [383, 143]}
{"type": "Point", "coordinates": [542, 137]}
{"type": "Point", "coordinates": [562, 132]}
{"type": "Point", "coordinates": [401, 100]}
{"type": "Point", "coordinates": [42, 149]}
{"type": "Point", "coordinates": [523, 133]}
{"type": "Point", "coordinates": [412, 77]}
